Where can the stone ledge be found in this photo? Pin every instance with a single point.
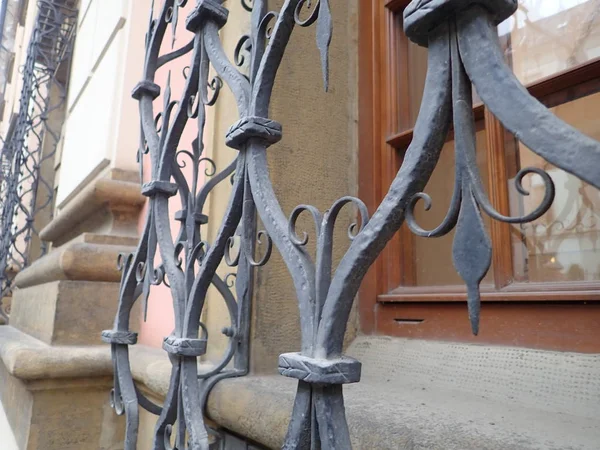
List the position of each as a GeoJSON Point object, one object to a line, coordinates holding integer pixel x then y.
{"type": "Point", "coordinates": [414, 394]}
{"type": "Point", "coordinates": [89, 258]}
{"type": "Point", "coordinates": [438, 395]}
{"type": "Point", "coordinates": [117, 194]}
{"type": "Point", "coordinates": [66, 313]}
{"type": "Point", "coordinates": [555, 382]}
{"type": "Point", "coordinates": [46, 390]}
{"type": "Point", "coordinates": [392, 417]}
{"type": "Point", "coordinates": [26, 358]}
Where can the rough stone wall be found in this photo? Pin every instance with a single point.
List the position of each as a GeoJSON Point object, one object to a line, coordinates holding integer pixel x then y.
{"type": "Point", "coordinates": [315, 163]}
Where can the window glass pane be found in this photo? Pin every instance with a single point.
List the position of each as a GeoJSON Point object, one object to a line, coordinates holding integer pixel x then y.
{"type": "Point", "coordinates": [545, 37]}
{"type": "Point", "coordinates": [433, 256]}
{"type": "Point", "coordinates": [564, 244]}
{"type": "Point", "coordinates": [417, 64]}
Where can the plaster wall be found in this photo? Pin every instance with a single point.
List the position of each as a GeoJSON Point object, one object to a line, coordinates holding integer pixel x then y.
{"type": "Point", "coordinates": [102, 123]}
{"type": "Point", "coordinates": [159, 321]}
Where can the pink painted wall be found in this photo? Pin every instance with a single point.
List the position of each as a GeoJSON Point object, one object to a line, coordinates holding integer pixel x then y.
{"type": "Point", "coordinates": [160, 319]}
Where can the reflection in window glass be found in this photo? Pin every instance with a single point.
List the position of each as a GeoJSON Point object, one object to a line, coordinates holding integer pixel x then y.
{"type": "Point", "coordinates": [545, 37]}
{"type": "Point", "coordinates": [564, 244]}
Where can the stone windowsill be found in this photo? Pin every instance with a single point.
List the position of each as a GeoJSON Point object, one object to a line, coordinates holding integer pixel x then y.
{"type": "Point", "coordinates": [413, 395]}
{"type": "Point", "coordinates": [435, 395]}
{"type": "Point", "coordinates": [388, 417]}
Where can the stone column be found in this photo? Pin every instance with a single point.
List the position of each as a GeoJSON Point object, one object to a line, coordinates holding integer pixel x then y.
{"type": "Point", "coordinates": [56, 374]}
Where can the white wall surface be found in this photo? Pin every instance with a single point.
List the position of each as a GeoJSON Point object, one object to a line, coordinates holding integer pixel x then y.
{"type": "Point", "coordinates": [95, 92]}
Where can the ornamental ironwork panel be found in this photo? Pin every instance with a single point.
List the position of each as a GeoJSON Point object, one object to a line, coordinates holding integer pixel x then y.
{"type": "Point", "coordinates": [33, 138]}
{"type": "Point", "coordinates": [463, 50]}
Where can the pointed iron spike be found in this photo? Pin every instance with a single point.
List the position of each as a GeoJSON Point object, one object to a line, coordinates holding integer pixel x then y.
{"type": "Point", "coordinates": [474, 306]}
{"type": "Point", "coordinates": [325, 70]}
{"type": "Point", "coordinates": [196, 149]}
{"type": "Point", "coordinates": [145, 296]}
{"type": "Point", "coordinates": [174, 21]}
{"type": "Point", "coordinates": [324, 33]}
{"type": "Point", "coordinates": [150, 19]}
{"type": "Point", "coordinates": [471, 253]}
{"type": "Point", "coordinates": [167, 97]}
{"type": "Point", "coordinates": [141, 164]}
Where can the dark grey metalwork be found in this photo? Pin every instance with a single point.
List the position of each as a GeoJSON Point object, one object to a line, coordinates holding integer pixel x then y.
{"type": "Point", "coordinates": [188, 263]}
{"type": "Point", "coordinates": [463, 48]}
{"type": "Point", "coordinates": [32, 141]}
{"type": "Point", "coordinates": [9, 21]}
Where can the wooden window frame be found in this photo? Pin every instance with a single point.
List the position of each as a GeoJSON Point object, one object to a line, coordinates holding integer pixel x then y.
{"type": "Point", "coordinates": [383, 67]}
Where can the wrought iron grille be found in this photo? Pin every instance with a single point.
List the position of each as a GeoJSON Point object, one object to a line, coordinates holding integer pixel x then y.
{"type": "Point", "coordinates": [9, 20]}
{"type": "Point", "coordinates": [32, 142]}
{"type": "Point", "coordinates": [463, 49]}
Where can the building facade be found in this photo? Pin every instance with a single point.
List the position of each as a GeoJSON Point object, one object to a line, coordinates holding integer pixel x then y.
{"type": "Point", "coordinates": [529, 379]}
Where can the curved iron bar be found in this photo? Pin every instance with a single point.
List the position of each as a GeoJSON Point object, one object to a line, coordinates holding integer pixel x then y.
{"type": "Point", "coordinates": [318, 417]}
{"type": "Point", "coordinates": [33, 141]}
{"type": "Point", "coordinates": [472, 250]}
{"type": "Point", "coordinates": [455, 31]}
{"type": "Point", "coordinates": [319, 397]}
{"type": "Point", "coordinates": [188, 262]}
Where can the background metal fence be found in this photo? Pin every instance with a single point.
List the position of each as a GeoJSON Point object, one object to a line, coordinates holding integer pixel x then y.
{"type": "Point", "coordinates": [26, 170]}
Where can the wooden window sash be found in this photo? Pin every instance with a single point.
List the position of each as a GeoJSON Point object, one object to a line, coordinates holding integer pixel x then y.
{"type": "Point", "coordinates": [516, 314]}
{"type": "Point", "coordinates": [398, 268]}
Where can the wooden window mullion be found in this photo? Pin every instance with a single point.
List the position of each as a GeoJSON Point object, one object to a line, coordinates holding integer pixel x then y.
{"type": "Point", "coordinates": [394, 79]}
{"type": "Point", "coordinates": [498, 190]}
